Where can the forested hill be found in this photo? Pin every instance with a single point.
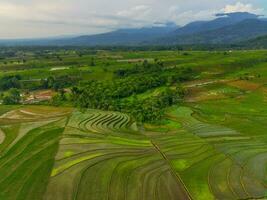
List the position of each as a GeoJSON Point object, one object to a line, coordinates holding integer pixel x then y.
{"type": "Point", "coordinates": [257, 43]}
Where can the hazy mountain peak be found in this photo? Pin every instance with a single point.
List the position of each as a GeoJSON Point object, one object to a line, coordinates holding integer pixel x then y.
{"type": "Point", "coordinates": [165, 24]}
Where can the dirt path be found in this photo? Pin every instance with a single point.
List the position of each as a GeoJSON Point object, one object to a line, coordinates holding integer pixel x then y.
{"type": "Point", "coordinates": [204, 83]}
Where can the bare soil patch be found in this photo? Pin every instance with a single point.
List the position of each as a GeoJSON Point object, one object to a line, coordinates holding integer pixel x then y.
{"type": "Point", "coordinates": [38, 96]}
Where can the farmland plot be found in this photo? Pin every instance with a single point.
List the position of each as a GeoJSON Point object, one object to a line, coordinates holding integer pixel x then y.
{"type": "Point", "coordinates": [55, 153]}
{"type": "Point", "coordinates": [27, 153]}
{"type": "Point", "coordinates": [233, 167]}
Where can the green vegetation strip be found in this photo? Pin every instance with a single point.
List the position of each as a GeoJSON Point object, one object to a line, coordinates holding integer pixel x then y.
{"type": "Point", "coordinates": [68, 165]}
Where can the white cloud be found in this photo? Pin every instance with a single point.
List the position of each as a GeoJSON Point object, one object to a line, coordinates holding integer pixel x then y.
{"type": "Point", "coordinates": [174, 9]}
{"type": "Point", "coordinates": [39, 11]}
{"type": "Point", "coordinates": [140, 11]}
{"type": "Point", "coordinates": [183, 17]}
{"type": "Point", "coordinates": [240, 7]}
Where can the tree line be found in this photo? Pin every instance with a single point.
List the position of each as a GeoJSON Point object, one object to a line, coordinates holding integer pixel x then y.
{"type": "Point", "coordinates": [112, 95]}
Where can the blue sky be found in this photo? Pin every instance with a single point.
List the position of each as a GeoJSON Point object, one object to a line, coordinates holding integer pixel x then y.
{"type": "Point", "coordinates": [39, 18]}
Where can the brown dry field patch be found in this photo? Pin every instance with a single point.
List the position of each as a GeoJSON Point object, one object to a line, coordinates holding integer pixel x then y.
{"type": "Point", "coordinates": [245, 85]}
{"type": "Point", "coordinates": [40, 95]}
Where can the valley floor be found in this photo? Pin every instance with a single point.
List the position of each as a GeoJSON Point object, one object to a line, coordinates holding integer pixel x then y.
{"type": "Point", "coordinates": [211, 144]}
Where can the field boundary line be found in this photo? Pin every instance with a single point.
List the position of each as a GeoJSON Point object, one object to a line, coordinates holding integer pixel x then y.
{"type": "Point", "coordinates": [172, 170]}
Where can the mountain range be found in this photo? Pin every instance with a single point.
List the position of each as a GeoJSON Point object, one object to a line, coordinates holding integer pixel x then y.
{"type": "Point", "coordinates": [226, 28]}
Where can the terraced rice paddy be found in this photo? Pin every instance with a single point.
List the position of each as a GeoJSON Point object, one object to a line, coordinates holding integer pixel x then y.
{"type": "Point", "coordinates": [64, 154]}
{"type": "Point", "coordinates": [106, 152]}
{"type": "Point", "coordinates": [220, 161]}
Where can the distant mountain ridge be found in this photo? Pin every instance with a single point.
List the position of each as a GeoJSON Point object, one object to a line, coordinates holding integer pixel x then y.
{"type": "Point", "coordinates": [256, 43]}
{"type": "Point", "coordinates": [226, 28]}
{"type": "Point", "coordinates": [127, 36]}
{"type": "Point", "coordinates": [223, 20]}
